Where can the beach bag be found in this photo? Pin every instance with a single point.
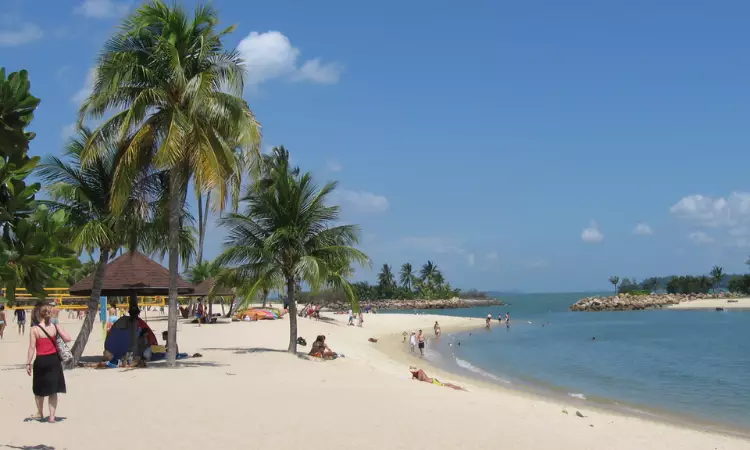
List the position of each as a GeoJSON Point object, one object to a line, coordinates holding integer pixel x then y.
{"type": "Point", "coordinates": [63, 352]}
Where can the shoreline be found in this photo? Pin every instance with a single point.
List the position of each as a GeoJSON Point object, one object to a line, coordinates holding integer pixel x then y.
{"type": "Point", "coordinates": [559, 395]}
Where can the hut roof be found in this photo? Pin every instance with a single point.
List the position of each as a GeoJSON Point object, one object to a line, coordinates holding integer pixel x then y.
{"type": "Point", "coordinates": [130, 273]}
{"type": "Point", "coordinates": [203, 289]}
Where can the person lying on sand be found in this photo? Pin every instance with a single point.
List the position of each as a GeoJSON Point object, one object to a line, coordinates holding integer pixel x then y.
{"type": "Point", "coordinates": [321, 350]}
{"type": "Point", "coordinates": [417, 373]}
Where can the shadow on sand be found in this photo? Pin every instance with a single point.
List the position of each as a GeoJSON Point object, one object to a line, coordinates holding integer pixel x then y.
{"type": "Point", "coordinates": [30, 447]}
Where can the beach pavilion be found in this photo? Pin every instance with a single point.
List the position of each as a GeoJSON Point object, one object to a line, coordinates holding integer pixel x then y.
{"type": "Point", "coordinates": [209, 290]}
{"type": "Point", "coordinates": [133, 275]}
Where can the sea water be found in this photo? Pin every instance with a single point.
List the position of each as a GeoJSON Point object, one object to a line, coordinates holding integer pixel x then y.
{"type": "Point", "coordinates": [692, 364]}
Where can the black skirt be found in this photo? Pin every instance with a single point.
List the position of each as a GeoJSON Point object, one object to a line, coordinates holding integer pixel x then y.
{"type": "Point", "coordinates": [48, 376]}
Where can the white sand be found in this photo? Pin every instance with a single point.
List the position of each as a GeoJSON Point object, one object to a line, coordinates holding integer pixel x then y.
{"type": "Point", "coordinates": [713, 303]}
{"type": "Point", "coordinates": [246, 392]}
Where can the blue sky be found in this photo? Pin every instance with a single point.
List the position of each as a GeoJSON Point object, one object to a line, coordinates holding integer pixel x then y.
{"type": "Point", "coordinates": [537, 145]}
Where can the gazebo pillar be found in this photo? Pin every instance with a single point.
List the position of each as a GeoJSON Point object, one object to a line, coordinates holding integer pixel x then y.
{"type": "Point", "coordinates": [134, 312]}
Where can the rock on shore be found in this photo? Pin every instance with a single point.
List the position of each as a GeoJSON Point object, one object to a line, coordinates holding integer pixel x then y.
{"type": "Point", "coordinates": [627, 302]}
{"type": "Point", "coordinates": [454, 302]}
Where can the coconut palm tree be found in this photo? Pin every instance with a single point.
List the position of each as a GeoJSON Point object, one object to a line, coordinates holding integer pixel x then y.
{"type": "Point", "coordinates": [614, 280]}
{"type": "Point", "coordinates": [717, 273]}
{"type": "Point", "coordinates": [429, 272]}
{"type": "Point", "coordinates": [406, 276]}
{"type": "Point", "coordinates": [289, 232]}
{"type": "Point", "coordinates": [84, 193]}
{"type": "Point", "coordinates": [165, 85]}
{"type": "Point", "coordinates": [386, 279]}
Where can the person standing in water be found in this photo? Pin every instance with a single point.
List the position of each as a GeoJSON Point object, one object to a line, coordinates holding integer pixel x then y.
{"type": "Point", "coordinates": [489, 319]}
{"type": "Point", "coordinates": [436, 328]}
{"type": "Point", "coordinates": [507, 318]}
{"type": "Point", "coordinates": [420, 340]}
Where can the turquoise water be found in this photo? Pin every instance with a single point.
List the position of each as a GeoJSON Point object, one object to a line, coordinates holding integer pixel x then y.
{"type": "Point", "coordinates": [695, 364]}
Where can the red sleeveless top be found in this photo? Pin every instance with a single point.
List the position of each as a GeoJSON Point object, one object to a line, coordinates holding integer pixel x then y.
{"type": "Point", "coordinates": [45, 345]}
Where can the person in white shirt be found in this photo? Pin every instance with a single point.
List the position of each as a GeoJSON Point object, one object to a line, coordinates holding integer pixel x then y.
{"type": "Point", "coordinates": [413, 341]}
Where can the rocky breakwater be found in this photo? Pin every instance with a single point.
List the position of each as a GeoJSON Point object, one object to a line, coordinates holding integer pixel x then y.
{"type": "Point", "coordinates": [627, 302]}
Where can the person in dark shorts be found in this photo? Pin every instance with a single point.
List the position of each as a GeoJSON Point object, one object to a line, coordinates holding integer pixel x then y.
{"type": "Point", "coordinates": [420, 342]}
{"type": "Point", "coordinates": [20, 314]}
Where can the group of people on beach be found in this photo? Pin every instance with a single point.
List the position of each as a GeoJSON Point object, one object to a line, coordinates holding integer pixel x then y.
{"type": "Point", "coordinates": [360, 318]}
{"type": "Point", "coordinates": [19, 317]}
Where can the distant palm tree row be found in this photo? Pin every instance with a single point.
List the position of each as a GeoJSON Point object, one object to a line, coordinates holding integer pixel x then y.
{"type": "Point", "coordinates": [673, 284]}
{"type": "Point", "coordinates": [429, 284]}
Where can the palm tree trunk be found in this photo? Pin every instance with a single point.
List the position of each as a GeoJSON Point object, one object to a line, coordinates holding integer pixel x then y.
{"type": "Point", "coordinates": [290, 285]}
{"type": "Point", "coordinates": [88, 323]}
{"type": "Point", "coordinates": [199, 256]}
{"type": "Point", "coordinates": [210, 309]}
{"type": "Point", "coordinates": [174, 255]}
{"type": "Point", "coordinates": [222, 305]}
{"type": "Point", "coordinates": [231, 305]}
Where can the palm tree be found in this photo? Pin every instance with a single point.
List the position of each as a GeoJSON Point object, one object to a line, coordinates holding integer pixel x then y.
{"type": "Point", "coordinates": [614, 280]}
{"type": "Point", "coordinates": [386, 278]}
{"type": "Point", "coordinates": [84, 193]}
{"type": "Point", "coordinates": [428, 272]}
{"type": "Point", "coordinates": [288, 232]}
{"type": "Point", "coordinates": [406, 276]}
{"type": "Point", "coordinates": [171, 94]}
{"type": "Point", "coordinates": [717, 273]}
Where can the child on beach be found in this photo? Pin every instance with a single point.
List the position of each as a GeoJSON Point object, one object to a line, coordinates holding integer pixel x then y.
{"type": "Point", "coordinates": [413, 341]}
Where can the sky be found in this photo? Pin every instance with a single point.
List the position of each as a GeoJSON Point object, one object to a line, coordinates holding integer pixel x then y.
{"type": "Point", "coordinates": [537, 145]}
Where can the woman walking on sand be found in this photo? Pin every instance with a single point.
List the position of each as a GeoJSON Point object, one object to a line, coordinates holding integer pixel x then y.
{"type": "Point", "coordinates": [2, 320]}
{"type": "Point", "coordinates": [48, 378]}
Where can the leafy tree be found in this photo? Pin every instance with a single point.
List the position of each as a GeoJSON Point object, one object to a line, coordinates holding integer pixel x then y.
{"type": "Point", "coordinates": [172, 95]}
{"type": "Point", "coordinates": [717, 273]}
{"type": "Point", "coordinates": [407, 276]}
{"type": "Point", "coordinates": [288, 231]}
{"type": "Point", "coordinates": [33, 241]}
{"type": "Point", "coordinates": [614, 280]}
{"type": "Point", "coordinates": [689, 285]}
{"type": "Point", "coordinates": [740, 285]}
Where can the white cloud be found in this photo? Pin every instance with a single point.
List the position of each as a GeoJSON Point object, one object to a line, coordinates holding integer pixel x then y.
{"type": "Point", "coordinates": [492, 256]}
{"type": "Point", "coordinates": [360, 201]}
{"type": "Point", "coordinates": [271, 55]}
{"type": "Point", "coordinates": [317, 72]}
{"type": "Point", "coordinates": [471, 259]}
{"type": "Point", "coordinates": [592, 235]}
{"type": "Point", "coordinates": [68, 131]}
{"type": "Point", "coordinates": [102, 9]}
{"type": "Point", "coordinates": [729, 216]}
{"type": "Point", "coordinates": [432, 244]}
{"type": "Point", "coordinates": [643, 229]}
{"type": "Point", "coordinates": [699, 237]}
{"type": "Point", "coordinates": [714, 212]}
{"type": "Point", "coordinates": [88, 85]}
{"type": "Point", "coordinates": [20, 34]}
{"type": "Point", "coordinates": [334, 166]}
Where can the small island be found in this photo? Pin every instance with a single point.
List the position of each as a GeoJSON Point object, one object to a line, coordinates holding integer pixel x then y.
{"type": "Point", "coordinates": [427, 289]}
{"type": "Point", "coordinates": [649, 294]}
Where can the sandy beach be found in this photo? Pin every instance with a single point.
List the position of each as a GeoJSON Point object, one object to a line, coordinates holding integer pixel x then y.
{"type": "Point", "coordinates": [713, 303]}
{"type": "Point", "coordinates": [247, 392]}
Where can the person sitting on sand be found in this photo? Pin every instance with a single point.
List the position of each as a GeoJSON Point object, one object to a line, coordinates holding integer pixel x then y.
{"type": "Point", "coordinates": [418, 374]}
{"type": "Point", "coordinates": [321, 350]}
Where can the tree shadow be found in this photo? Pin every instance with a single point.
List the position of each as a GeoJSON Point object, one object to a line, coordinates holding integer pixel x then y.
{"type": "Point", "coordinates": [180, 363]}
{"type": "Point", "coordinates": [239, 350]}
{"type": "Point", "coordinates": [30, 447]}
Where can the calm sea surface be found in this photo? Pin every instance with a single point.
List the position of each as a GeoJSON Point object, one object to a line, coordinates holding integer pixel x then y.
{"type": "Point", "coordinates": [695, 364]}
